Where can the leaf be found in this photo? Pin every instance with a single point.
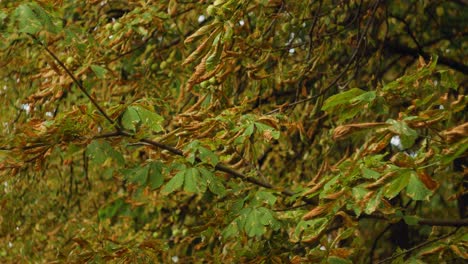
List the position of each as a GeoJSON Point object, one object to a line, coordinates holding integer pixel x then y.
{"type": "Point", "coordinates": [316, 211]}
{"type": "Point", "coordinates": [136, 116]}
{"type": "Point", "coordinates": [310, 230]}
{"type": "Point", "coordinates": [130, 119]}
{"type": "Point", "coordinates": [341, 98]}
{"type": "Point", "coordinates": [254, 223]}
{"type": "Point", "coordinates": [200, 32]}
{"type": "Point", "coordinates": [213, 57]}
{"type": "Point", "coordinates": [99, 151]}
{"type": "Point", "coordinates": [338, 260]}
{"type": "Point", "coordinates": [112, 209]}
{"type": "Point", "coordinates": [399, 183]}
{"type": "Point", "coordinates": [137, 175]}
{"type": "Point", "coordinates": [231, 230]}
{"type": "Point", "coordinates": [150, 119]}
{"type": "Point", "coordinates": [215, 185]}
{"type": "Point", "coordinates": [456, 133]}
{"type": "Point", "coordinates": [265, 197]}
{"type": "Point", "coordinates": [192, 180]}
{"type": "Point", "coordinates": [365, 97]}
{"type": "Point", "coordinates": [27, 20]}
{"type": "Point", "coordinates": [248, 130]}
{"type": "Point", "coordinates": [430, 183]}
{"type": "Point", "coordinates": [407, 135]}
{"type": "Point", "coordinates": [370, 174]}
{"type": "Point", "coordinates": [416, 189]}
{"type": "Point", "coordinates": [175, 183]}
{"type": "Point", "coordinates": [99, 71]}
{"type": "Point", "coordinates": [208, 156]}
{"type": "Point", "coordinates": [411, 220]}
{"type": "Point", "coordinates": [155, 177]}
{"type": "Point", "coordinates": [374, 202]}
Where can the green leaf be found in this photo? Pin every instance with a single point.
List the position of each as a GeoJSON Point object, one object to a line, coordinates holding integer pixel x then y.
{"type": "Point", "coordinates": [136, 116]}
{"type": "Point", "coordinates": [27, 20]}
{"type": "Point", "coordinates": [137, 175]}
{"type": "Point", "coordinates": [192, 180]}
{"type": "Point", "coordinates": [341, 98]}
{"type": "Point", "coordinates": [416, 189]}
{"type": "Point", "coordinates": [370, 174]}
{"type": "Point", "coordinates": [155, 177]}
{"type": "Point", "coordinates": [310, 228]}
{"type": "Point", "coordinates": [208, 156]}
{"type": "Point", "coordinates": [99, 151]}
{"type": "Point", "coordinates": [175, 183]}
{"type": "Point", "coordinates": [411, 220]}
{"type": "Point", "coordinates": [338, 260]}
{"type": "Point", "coordinates": [248, 130]}
{"type": "Point", "coordinates": [215, 185]}
{"type": "Point", "coordinates": [407, 135]}
{"type": "Point", "coordinates": [231, 230]}
{"type": "Point", "coordinates": [112, 209]}
{"type": "Point", "coordinates": [130, 119]}
{"type": "Point", "coordinates": [150, 119]}
{"type": "Point", "coordinates": [253, 223]}
{"type": "Point", "coordinates": [374, 202]}
{"type": "Point", "coordinates": [399, 183]}
{"type": "Point", "coordinates": [265, 197]}
{"type": "Point", "coordinates": [237, 205]}
{"type": "Point", "coordinates": [99, 71]}
{"type": "Point", "coordinates": [365, 97]}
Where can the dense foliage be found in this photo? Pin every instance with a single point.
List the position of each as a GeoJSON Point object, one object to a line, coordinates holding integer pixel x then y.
{"type": "Point", "coordinates": [260, 131]}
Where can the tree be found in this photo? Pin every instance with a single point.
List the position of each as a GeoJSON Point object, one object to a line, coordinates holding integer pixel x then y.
{"type": "Point", "coordinates": [240, 131]}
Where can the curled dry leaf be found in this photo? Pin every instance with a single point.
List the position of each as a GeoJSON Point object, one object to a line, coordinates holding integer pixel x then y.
{"type": "Point", "coordinates": [456, 133]}
{"type": "Point", "coordinates": [336, 195]}
{"type": "Point", "coordinates": [384, 179]}
{"type": "Point", "coordinates": [319, 210]}
{"type": "Point", "coordinates": [342, 131]}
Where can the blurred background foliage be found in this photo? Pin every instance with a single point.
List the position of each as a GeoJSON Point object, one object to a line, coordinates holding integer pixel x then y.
{"type": "Point", "coordinates": [252, 131]}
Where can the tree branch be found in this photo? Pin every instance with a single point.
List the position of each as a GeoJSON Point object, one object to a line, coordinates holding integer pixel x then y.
{"type": "Point", "coordinates": [402, 49]}
{"type": "Point", "coordinates": [418, 247]}
{"type": "Point", "coordinates": [121, 132]}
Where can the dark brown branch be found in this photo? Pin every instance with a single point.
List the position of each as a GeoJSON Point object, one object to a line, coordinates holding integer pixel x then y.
{"type": "Point", "coordinates": [223, 168]}
{"type": "Point", "coordinates": [402, 49]}
{"type": "Point", "coordinates": [120, 132]}
{"type": "Point", "coordinates": [423, 221]}
{"type": "Point", "coordinates": [443, 222]}
{"type": "Point", "coordinates": [418, 247]}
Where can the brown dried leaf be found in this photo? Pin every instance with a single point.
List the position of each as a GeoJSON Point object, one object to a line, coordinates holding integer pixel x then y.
{"type": "Point", "coordinates": [344, 130]}
{"type": "Point", "coordinates": [457, 133]}
{"type": "Point", "coordinates": [315, 188]}
{"type": "Point", "coordinates": [427, 180]}
{"type": "Point", "coordinates": [200, 49]}
{"type": "Point", "coordinates": [459, 252]}
{"type": "Point", "coordinates": [432, 251]}
{"type": "Point", "coordinates": [379, 146]}
{"type": "Point", "coordinates": [341, 252]}
{"type": "Point", "coordinates": [319, 210]}
{"type": "Point", "coordinates": [381, 181]}
{"type": "Point", "coordinates": [200, 32]}
{"type": "Point", "coordinates": [336, 195]}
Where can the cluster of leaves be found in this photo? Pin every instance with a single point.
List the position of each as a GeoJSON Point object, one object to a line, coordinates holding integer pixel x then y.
{"type": "Point", "coordinates": [239, 131]}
